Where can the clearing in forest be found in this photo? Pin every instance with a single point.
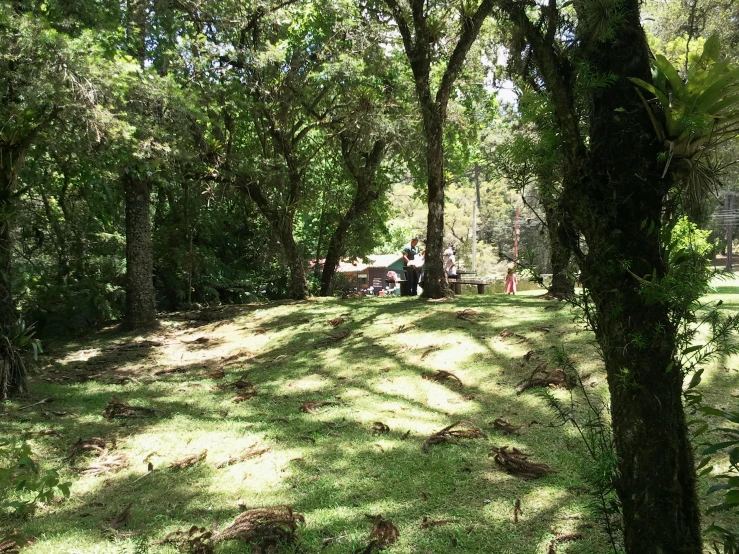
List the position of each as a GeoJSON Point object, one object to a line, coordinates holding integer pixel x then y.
{"type": "Point", "coordinates": [400, 423]}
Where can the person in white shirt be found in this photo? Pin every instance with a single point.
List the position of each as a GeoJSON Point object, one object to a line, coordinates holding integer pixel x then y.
{"type": "Point", "coordinates": [450, 264]}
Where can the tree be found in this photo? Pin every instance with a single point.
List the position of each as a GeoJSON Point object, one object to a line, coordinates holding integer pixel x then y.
{"type": "Point", "coordinates": [615, 192]}
{"type": "Point", "coordinates": [421, 30]}
{"type": "Point", "coordinates": [39, 78]}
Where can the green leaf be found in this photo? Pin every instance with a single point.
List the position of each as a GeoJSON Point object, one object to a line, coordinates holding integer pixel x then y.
{"type": "Point", "coordinates": [711, 50]}
{"type": "Point", "coordinates": [718, 446]}
{"type": "Point", "coordinates": [693, 349]}
{"type": "Point", "coordinates": [695, 381]}
{"type": "Point", "coordinates": [678, 87]}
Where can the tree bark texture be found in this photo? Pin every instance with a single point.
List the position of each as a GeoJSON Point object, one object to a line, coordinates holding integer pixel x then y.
{"type": "Point", "coordinates": [281, 223]}
{"type": "Point", "coordinates": [298, 280]}
{"type": "Point", "coordinates": [417, 42]}
{"type": "Point", "coordinates": [140, 298]}
{"type": "Point", "coordinates": [560, 255]}
{"type": "Point", "coordinates": [368, 191]}
{"type": "Point", "coordinates": [624, 188]}
{"type": "Point", "coordinates": [612, 191]}
{"type": "Point", "coordinates": [729, 231]}
{"type": "Point", "coordinates": [435, 283]}
{"type": "Point", "coordinates": [13, 378]}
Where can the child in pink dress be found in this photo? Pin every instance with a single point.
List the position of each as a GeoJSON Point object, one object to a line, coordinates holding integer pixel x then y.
{"type": "Point", "coordinates": [510, 282]}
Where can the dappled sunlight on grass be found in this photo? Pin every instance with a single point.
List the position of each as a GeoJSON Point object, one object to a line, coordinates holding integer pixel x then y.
{"type": "Point", "coordinates": [332, 463]}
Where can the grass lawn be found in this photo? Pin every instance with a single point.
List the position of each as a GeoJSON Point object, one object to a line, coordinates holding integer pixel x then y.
{"type": "Point", "coordinates": [330, 465]}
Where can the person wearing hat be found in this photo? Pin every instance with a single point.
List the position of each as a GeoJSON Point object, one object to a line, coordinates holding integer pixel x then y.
{"type": "Point", "coordinates": [412, 257]}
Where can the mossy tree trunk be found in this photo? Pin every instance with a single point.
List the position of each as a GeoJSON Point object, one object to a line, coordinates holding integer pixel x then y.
{"type": "Point", "coordinates": [563, 285]}
{"type": "Point", "coordinates": [615, 195]}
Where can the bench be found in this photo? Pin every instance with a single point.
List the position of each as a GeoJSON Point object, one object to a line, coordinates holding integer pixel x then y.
{"type": "Point", "coordinates": [457, 284]}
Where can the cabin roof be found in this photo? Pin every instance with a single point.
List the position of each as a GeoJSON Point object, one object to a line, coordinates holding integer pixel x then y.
{"type": "Point", "coordinates": [389, 261]}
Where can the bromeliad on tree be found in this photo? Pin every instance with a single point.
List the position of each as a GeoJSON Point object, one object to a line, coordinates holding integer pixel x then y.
{"type": "Point", "coordinates": [701, 111]}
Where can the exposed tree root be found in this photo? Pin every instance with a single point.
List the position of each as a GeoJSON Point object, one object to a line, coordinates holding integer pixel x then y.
{"type": "Point", "coordinates": [466, 429]}
{"type": "Point", "coordinates": [505, 427]}
{"type": "Point", "coordinates": [265, 527]}
{"type": "Point", "coordinates": [337, 336]}
{"type": "Point", "coordinates": [188, 461]}
{"type": "Point", "coordinates": [554, 378]}
{"type": "Point", "coordinates": [379, 428]}
{"type": "Point", "coordinates": [426, 522]}
{"type": "Point", "coordinates": [467, 315]}
{"type": "Point", "coordinates": [429, 350]}
{"type": "Point", "coordinates": [383, 534]}
{"type": "Point", "coordinates": [106, 463]}
{"type": "Point", "coordinates": [196, 540]}
{"type": "Point", "coordinates": [506, 334]}
{"type": "Point", "coordinates": [564, 537]}
{"type": "Point", "coordinates": [442, 376]}
{"type": "Point", "coordinates": [515, 463]}
{"type": "Point", "coordinates": [96, 445]}
{"type": "Point", "coordinates": [116, 408]}
{"type": "Point", "coordinates": [309, 406]}
{"type": "Point", "coordinates": [248, 454]}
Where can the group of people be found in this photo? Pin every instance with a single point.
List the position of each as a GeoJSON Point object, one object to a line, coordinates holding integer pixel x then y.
{"type": "Point", "coordinates": [413, 258]}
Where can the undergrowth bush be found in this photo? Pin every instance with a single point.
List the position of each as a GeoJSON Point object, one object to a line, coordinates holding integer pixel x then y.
{"type": "Point", "coordinates": [23, 485]}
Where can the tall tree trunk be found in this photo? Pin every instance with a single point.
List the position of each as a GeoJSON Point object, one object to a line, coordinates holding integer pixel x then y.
{"type": "Point", "coordinates": [418, 44]}
{"type": "Point", "coordinates": [298, 281]}
{"type": "Point", "coordinates": [336, 247]}
{"type": "Point", "coordinates": [8, 314]}
{"type": "Point", "coordinates": [435, 283]}
{"type": "Point", "coordinates": [562, 285]}
{"type": "Point", "coordinates": [13, 377]}
{"type": "Point", "coordinates": [140, 300]}
{"type": "Point", "coordinates": [729, 231]}
{"type": "Point", "coordinates": [611, 188]}
{"type": "Point", "coordinates": [656, 482]}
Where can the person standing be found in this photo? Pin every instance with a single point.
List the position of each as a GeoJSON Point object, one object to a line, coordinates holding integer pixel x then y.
{"type": "Point", "coordinates": [411, 257]}
{"type": "Point", "coordinates": [510, 282]}
{"type": "Point", "coordinates": [450, 264]}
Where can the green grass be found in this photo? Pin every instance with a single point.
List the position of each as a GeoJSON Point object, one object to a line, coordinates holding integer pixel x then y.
{"type": "Point", "coordinates": [329, 466]}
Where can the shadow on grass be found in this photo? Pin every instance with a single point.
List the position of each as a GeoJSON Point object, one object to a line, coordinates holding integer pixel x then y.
{"type": "Point", "coordinates": [329, 465]}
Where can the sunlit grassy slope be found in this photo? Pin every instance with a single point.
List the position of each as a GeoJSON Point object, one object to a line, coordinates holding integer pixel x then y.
{"type": "Point", "coordinates": [329, 466]}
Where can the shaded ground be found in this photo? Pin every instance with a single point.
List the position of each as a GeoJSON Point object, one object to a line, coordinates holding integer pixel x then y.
{"type": "Point", "coordinates": [241, 380]}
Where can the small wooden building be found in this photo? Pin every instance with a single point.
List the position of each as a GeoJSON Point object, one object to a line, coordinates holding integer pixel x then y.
{"type": "Point", "coordinates": [372, 272]}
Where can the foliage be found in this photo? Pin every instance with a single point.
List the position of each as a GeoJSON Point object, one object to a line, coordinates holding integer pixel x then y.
{"type": "Point", "coordinates": [23, 484]}
{"type": "Point", "coordinates": [594, 430]}
{"type": "Point", "coordinates": [15, 343]}
{"type": "Point", "coordinates": [701, 112]}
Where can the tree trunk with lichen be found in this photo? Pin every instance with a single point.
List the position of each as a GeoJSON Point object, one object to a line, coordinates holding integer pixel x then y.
{"type": "Point", "coordinates": [298, 280]}
{"type": "Point", "coordinates": [140, 298]}
{"type": "Point", "coordinates": [622, 189]}
{"type": "Point", "coordinates": [368, 191]}
{"type": "Point", "coordinates": [615, 195]}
